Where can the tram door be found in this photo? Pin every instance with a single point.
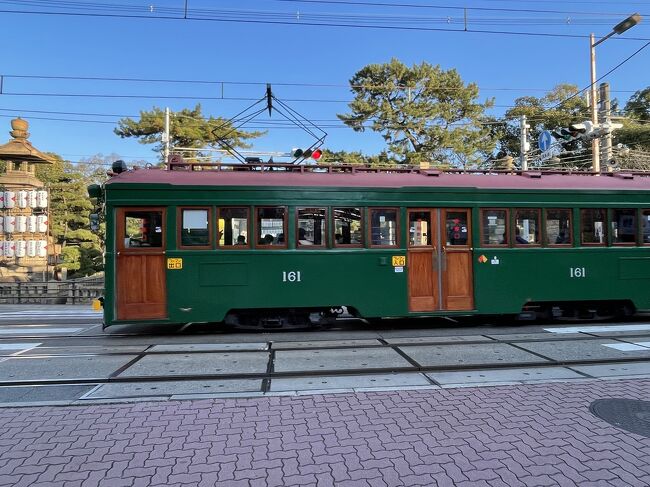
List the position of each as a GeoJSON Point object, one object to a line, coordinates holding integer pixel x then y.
{"type": "Point", "coordinates": [440, 259]}
{"type": "Point", "coordinates": [141, 289]}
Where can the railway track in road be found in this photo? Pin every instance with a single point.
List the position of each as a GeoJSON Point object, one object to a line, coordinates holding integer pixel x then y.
{"type": "Point", "coordinates": [405, 353]}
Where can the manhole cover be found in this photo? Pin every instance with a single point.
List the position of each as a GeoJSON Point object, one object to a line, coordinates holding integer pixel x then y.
{"type": "Point", "coordinates": [628, 414]}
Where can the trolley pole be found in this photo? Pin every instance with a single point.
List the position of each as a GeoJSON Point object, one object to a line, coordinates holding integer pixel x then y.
{"type": "Point", "coordinates": [523, 143]}
{"type": "Point", "coordinates": [166, 137]}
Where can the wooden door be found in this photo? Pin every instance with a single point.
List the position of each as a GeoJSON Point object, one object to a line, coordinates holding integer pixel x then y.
{"type": "Point", "coordinates": [140, 272]}
{"type": "Point", "coordinates": [456, 259]}
{"type": "Point", "coordinates": [423, 261]}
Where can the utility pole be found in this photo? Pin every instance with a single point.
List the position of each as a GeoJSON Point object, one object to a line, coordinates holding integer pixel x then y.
{"type": "Point", "coordinates": [166, 137]}
{"type": "Point", "coordinates": [523, 143]}
{"type": "Point", "coordinates": [595, 143]}
{"type": "Point", "coordinates": [606, 114]}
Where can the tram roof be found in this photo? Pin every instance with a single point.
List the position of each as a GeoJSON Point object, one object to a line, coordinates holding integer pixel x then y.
{"type": "Point", "coordinates": [387, 179]}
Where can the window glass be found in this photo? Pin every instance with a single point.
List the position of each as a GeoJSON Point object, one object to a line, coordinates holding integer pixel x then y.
{"type": "Point", "coordinates": [311, 227]}
{"type": "Point", "coordinates": [494, 227]}
{"type": "Point", "coordinates": [527, 227]}
{"type": "Point", "coordinates": [645, 220]}
{"type": "Point", "coordinates": [558, 227]}
{"type": "Point", "coordinates": [456, 226]}
{"type": "Point", "coordinates": [271, 227]}
{"type": "Point", "coordinates": [624, 228]}
{"type": "Point", "coordinates": [383, 227]}
{"type": "Point", "coordinates": [594, 228]}
{"type": "Point", "coordinates": [194, 228]}
{"type": "Point", "coordinates": [233, 227]}
{"type": "Point", "coordinates": [420, 228]}
{"type": "Point", "coordinates": [143, 229]}
{"type": "Point", "coordinates": [347, 226]}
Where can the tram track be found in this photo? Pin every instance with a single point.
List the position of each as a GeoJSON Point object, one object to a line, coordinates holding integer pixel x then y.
{"type": "Point", "coordinates": [270, 374]}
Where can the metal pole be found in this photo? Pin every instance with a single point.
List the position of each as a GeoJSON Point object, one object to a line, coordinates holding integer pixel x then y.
{"type": "Point", "coordinates": [606, 111]}
{"type": "Point", "coordinates": [523, 137]}
{"type": "Point", "coordinates": [166, 137]}
{"type": "Point", "coordinates": [595, 143]}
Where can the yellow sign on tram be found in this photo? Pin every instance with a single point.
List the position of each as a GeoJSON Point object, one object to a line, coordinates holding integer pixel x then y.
{"type": "Point", "coordinates": [174, 263]}
{"type": "Point", "coordinates": [399, 260]}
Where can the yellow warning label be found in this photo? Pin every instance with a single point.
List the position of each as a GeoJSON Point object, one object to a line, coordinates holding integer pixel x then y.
{"type": "Point", "coordinates": [174, 263]}
{"type": "Point", "coordinates": [482, 259]}
{"type": "Point", "coordinates": [399, 260]}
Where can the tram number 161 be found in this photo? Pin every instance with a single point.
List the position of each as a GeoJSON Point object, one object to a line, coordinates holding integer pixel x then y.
{"type": "Point", "coordinates": [291, 276]}
{"type": "Point", "coordinates": [577, 272]}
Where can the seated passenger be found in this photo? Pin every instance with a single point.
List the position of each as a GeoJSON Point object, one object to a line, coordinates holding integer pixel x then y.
{"type": "Point", "coordinates": [302, 237]}
{"type": "Point", "coordinates": [267, 240]}
{"type": "Point", "coordinates": [562, 238]}
{"type": "Point", "coordinates": [241, 240]}
{"type": "Point", "coordinates": [519, 239]}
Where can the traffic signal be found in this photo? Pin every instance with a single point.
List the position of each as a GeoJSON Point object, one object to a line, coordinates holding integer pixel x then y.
{"type": "Point", "coordinates": [314, 154]}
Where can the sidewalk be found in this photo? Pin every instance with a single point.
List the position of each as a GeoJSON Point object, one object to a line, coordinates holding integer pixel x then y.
{"type": "Point", "coordinates": [540, 434]}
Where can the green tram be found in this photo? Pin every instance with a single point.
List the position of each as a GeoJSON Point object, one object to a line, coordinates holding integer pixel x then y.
{"type": "Point", "coordinates": [271, 246]}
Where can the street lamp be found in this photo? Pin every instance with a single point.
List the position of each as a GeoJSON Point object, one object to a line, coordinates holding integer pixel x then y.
{"type": "Point", "coordinates": [619, 28]}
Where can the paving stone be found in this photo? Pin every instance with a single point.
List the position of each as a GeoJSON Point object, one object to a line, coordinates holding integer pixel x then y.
{"type": "Point", "coordinates": [42, 393]}
{"type": "Point", "coordinates": [580, 350]}
{"type": "Point", "coordinates": [58, 368]}
{"type": "Point", "coordinates": [197, 364]}
{"type": "Point", "coordinates": [477, 354]}
{"type": "Point", "coordinates": [615, 370]}
{"type": "Point", "coordinates": [437, 339]}
{"type": "Point", "coordinates": [170, 388]}
{"type": "Point", "coordinates": [348, 382]}
{"type": "Point", "coordinates": [338, 359]}
{"type": "Point", "coordinates": [208, 347]}
{"type": "Point", "coordinates": [282, 345]}
{"type": "Point", "coordinates": [503, 375]}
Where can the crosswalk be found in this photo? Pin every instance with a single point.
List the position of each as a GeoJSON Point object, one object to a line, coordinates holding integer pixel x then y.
{"type": "Point", "coordinates": [46, 315]}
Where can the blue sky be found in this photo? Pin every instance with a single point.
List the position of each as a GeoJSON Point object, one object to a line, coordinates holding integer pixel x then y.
{"type": "Point", "coordinates": [151, 47]}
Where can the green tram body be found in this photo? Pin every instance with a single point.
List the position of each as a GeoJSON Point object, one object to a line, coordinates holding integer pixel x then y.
{"type": "Point", "coordinates": [214, 283]}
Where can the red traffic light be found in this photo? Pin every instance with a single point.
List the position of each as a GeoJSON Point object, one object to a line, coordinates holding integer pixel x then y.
{"type": "Point", "coordinates": [307, 153]}
{"type": "Point", "coordinates": [316, 154]}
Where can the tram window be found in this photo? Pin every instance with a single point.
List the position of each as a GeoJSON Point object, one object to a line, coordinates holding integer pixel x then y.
{"type": "Point", "coordinates": [457, 228]}
{"type": "Point", "coordinates": [142, 229]}
{"type": "Point", "coordinates": [383, 227]}
{"type": "Point", "coordinates": [233, 228]}
{"type": "Point", "coordinates": [195, 231]}
{"type": "Point", "coordinates": [347, 227]}
{"type": "Point", "coordinates": [593, 226]}
{"type": "Point", "coordinates": [419, 228]}
{"type": "Point", "coordinates": [558, 227]}
{"type": "Point", "coordinates": [645, 221]}
{"type": "Point", "coordinates": [527, 227]}
{"type": "Point", "coordinates": [624, 227]}
{"type": "Point", "coordinates": [310, 231]}
{"type": "Point", "coordinates": [494, 227]}
{"type": "Point", "coordinates": [271, 227]}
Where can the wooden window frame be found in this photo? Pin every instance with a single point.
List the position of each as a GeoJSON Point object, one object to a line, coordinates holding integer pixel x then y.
{"type": "Point", "coordinates": [120, 228]}
{"type": "Point", "coordinates": [362, 223]}
{"type": "Point", "coordinates": [397, 227]}
{"type": "Point", "coordinates": [179, 229]}
{"type": "Point", "coordinates": [610, 220]}
{"type": "Point", "coordinates": [481, 228]}
{"type": "Point", "coordinates": [285, 227]}
{"type": "Point", "coordinates": [571, 228]}
{"type": "Point", "coordinates": [443, 226]}
{"type": "Point", "coordinates": [408, 227]}
{"type": "Point", "coordinates": [314, 246]}
{"type": "Point", "coordinates": [594, 244]}
{"type": "Point", "coordinates": [248, 228]}
{"type": "Point", "coordinates": [514, 228]}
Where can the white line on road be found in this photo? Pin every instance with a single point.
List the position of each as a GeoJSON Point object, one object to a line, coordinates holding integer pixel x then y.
{"type": "Point", "coordinates": [18, 346]}
{"type": "Point", "coordinates": [37, 331]}
{"type": "Point", "coordinates": [596, 329]}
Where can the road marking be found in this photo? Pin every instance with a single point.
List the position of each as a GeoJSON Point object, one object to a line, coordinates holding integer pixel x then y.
{"type": "Point", "coordinates": [626, 347]}
{"type": "Point", "coordinates": [37, 331]}
{"type": "Point", "coordinates": [18, 346]}
{"type": "Point", "coordinates": [596, 329]}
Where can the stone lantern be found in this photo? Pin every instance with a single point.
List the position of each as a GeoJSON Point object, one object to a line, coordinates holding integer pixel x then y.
{"type": "Point", "coordinates": [25, 241]}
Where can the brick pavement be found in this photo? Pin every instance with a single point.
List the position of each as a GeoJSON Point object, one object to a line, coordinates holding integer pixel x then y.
{"type": "Point", "coordinates": [540, 434]}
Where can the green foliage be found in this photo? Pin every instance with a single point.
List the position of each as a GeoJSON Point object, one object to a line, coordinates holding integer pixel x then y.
{"type": "Point", "coordinates": [549, 112]}
{"type": "Point", "coordinates": [638, 106]}
{"type": "Point", "coordinates": [423, 112]}
{"type": "Point", "coordinates": [188, 128]}
{"type": "Point", "coordinates": [69, 210]}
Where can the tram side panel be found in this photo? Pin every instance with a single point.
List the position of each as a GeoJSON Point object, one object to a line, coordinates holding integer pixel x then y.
{"type": "Point", "coordinates": [209, 285]}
